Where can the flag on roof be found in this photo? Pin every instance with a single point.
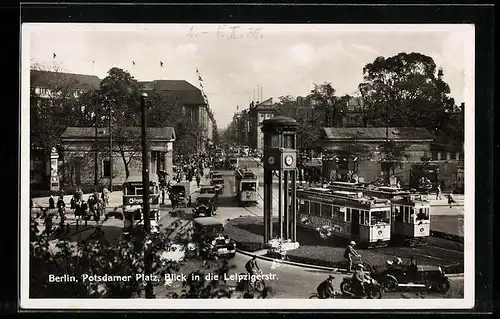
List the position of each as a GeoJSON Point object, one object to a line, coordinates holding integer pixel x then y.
{"type": "Point", "coordinates": [161, 64]}
{"type": "Point", "coordinates": [54, 55]}
{"type": "Point", "coordinates": [133, 62]}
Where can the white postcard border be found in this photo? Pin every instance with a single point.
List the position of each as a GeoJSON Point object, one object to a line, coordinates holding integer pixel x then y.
{"type": "Point", "coordinates": [220, 304]}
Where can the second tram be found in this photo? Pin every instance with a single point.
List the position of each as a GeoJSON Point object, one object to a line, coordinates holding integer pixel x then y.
{"type": "Point", "coordinates": [410, 213]}
{"type": "Point", "coordinates": [247, 187]}
{"type": "Point", "coordinates": [349, 215]}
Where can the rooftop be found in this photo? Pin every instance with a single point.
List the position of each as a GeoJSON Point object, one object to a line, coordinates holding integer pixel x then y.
{"type": "Point", "coordinates": [185, 92]}
{"type": "Point", "coordinates": [71, 132]}
{"type": "Point", "coordinates": [377, 133]}
{"type": "Point", "coordinates": [49, 80]}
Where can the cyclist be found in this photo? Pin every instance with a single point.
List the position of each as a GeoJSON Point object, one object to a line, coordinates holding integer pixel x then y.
{"type": "Point", "coordinates": [251, 266]}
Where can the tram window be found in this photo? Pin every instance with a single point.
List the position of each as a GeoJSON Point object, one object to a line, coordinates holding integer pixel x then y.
{"type": "Point", "coordinates": [366, 218]}
{"type": "Point", "coordinates": [423, 214]}
{"type": "Point", "coordinates": [348, 215]}
{"type": "Point", "coordinates": [326, 210]}
{"type": "Point", "coordinates": [304, 207]}
{"type": "Point", "coordinates": [380, 217]}
{"type": "Point", "coordinates": [248, 187]}
{"type": "Point", "coordinates": [398, 211]}
{"type": "Point", "coordinates": [337, 214]}
{"type": "Point", "coordinates": [411, 215]}
{"type": "Point", "coordinates": [315, 209]}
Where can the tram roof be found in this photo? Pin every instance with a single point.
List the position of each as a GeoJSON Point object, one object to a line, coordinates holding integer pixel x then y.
{"type": "Point", "coordinates": [340, 198]}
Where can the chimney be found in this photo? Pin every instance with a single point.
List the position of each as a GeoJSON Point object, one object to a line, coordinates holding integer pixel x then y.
{"type": "Point", "coordinates": [462, 106]}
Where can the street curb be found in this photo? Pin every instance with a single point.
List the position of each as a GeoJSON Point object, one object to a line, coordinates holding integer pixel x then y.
{"type": "Point", "coordinates": [335, 270]}
{"type": "Point", "coordinates": [310, 266]}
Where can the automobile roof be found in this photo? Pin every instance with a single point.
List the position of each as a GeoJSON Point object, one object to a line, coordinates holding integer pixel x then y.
{"type": "Point", "coordinates": [207, 221]}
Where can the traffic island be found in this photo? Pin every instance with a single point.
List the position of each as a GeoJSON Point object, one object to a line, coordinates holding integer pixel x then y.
{"type": "Point", "coordinates": [248, 233]}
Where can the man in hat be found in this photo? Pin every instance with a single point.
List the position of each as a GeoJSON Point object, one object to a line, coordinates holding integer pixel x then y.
{"type": "Point", "coordinates": [350, 253]}
{"type": "Point", "coordinates": [360, 278]}
{"type": "Point", "coordinates": [325, 289]}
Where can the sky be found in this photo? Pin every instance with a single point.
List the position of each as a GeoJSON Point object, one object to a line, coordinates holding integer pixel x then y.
{"type": "Point", "coordinates": [235, 60]}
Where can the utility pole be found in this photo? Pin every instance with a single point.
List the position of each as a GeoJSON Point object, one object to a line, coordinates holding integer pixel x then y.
{"type": "Point", "coordinates": [96, 161]}
{"type": "Point", "coordinates": [110, 148]}
{"type": "Point", "coordinates": [145, 198]}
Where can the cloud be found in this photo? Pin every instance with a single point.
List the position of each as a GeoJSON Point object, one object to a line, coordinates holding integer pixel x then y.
{"type": "Point", "coordinates": [365, 48]}
{"type": "Point", "coordinates": [188, 49]}
{"type": "Point", "coordinates": [302, 53]}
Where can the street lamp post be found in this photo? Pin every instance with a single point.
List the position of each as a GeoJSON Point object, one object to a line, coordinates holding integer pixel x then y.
{"type": "Point", "coordinates": [110, 150]}
{"type": "Point", "coordinates": [145, 197]}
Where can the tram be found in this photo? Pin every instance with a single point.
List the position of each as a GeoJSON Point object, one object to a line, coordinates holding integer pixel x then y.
{"type": "Point", "coordinates": [410, 221]}
{"type": "Point", "coordinates": [247, 187]}
{"type": "Point", "coordinates": [350, 215]}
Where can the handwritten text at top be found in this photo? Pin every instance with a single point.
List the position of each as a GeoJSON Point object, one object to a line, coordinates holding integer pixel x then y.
{"type": "Point", "coordinates": [227, 33]}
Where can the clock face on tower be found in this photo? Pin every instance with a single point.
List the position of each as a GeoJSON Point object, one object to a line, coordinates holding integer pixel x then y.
{"type": "Point", "coordinates": [288, 160]}
{"type": "Point", "coordinates": [271, 160]}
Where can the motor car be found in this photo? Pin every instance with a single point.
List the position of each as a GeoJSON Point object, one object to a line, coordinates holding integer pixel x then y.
{"type": "Point", "coordinates": [212, 242]}
{"type": "Point", "coordinates": [218, 183]}
{"type": "Point", "coordinates": [412, 275]}
{"type": "Point", "coordinates": [217, 245]}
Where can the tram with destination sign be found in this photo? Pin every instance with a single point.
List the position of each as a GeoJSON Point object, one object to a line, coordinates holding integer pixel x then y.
{"type": "Point", "coordinates": [410, 213]}
{"type": "Point", "coordinates": [247, 187]}
{"type": "Point", "coordinates": [349, 215]}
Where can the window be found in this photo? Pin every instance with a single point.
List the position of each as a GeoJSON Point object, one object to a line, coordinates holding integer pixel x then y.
{"type": "Point", "coordinates": [315, 208]}
{"type": "Point", "coordinates": [337, 214]}
{"type": "Point", "coordinates": [288, 141]}
{"type": "Point", "coordinates": [398, 213]}
{"type": "Point", "coordinates": [275, 141]}
{"type": "Point", "coordinates": [411, 216]}
{"type": "Point", "coordinates": [106, 168]}
{"type": "Point", "coordinates": [326, 210]}
{"type": "Point", "coordinates": [423, 213]}
{"type": "Point", "coordinates": [380, 217]}
{"type": "Point", "coordinates": [304, 207]}
{"type": "Point", "coordinates": [367, 218]}
{"type": "Point", "coordinates": [348, 215]}
{"type": "Point", "coordinates": [248, 187]}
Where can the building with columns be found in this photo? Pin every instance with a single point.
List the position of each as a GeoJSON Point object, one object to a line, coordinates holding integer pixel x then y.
{"type": "Point", "coordinates": [257, 114]}
{"type": "Point", "coordinates": [80, 144]}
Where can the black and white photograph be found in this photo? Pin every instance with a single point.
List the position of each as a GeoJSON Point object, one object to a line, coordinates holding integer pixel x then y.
{"type": "Point", "coordinates": [284, 163]}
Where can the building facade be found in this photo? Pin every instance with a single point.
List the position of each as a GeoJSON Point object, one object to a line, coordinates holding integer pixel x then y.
{"type": "Point", "coordinates": [358, 149]}
{"type": "Point", "coordinates": [44, 86]}
{"type": "Point", "coordinates": [80, 145]}
{"type": "Point", "coordinates": [257, 114]}
{"type": "Point", "coordinates": [193, 103]}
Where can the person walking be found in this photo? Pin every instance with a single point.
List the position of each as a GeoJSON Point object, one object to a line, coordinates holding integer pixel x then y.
{"type": "Point", "coordinates": [198, 180]}
{"type": "Point", "coordinates": [438, 192]}
{"type": "Point", "coordinates": [451, 200]}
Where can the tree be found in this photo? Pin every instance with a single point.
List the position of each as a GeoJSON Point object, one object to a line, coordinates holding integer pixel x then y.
{"type": "Point", "coordinates": [120, 96]}
{"type": "Point", "coordinates": [324, 97]}
{"type": "Point", "coordinates": [405, 90]}
{"type": "Point", "coordinates": [53, 105]}
{"type": "Point", "coordinates": [393, 154]}
{"type": "Point", "coordinates": [97, 256]}
{"type": "Point", "coordinates": [357, 152]}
